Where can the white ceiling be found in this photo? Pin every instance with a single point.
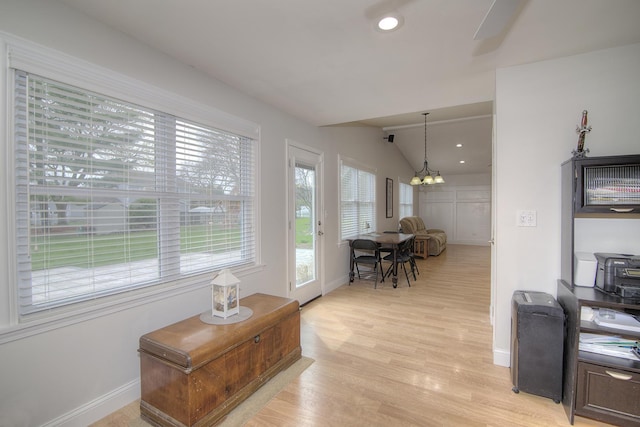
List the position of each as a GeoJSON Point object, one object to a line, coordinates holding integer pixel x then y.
{"type": "Point", "coordinates": [324, 62]}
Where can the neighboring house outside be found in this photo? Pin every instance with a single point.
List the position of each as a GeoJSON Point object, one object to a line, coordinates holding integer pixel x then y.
{"type": "Point", "coordinates": [303, 212]}
{"type": "Point", "coordinates": [105, 218]}
{"type": "Point", "coordinates": [207, 215]}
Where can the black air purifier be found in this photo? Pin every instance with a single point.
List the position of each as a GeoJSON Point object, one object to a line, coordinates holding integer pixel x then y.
{"type": "Point", "coordinates": [537, 338]}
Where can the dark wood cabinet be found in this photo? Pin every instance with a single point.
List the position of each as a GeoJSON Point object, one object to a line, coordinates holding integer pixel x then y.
{"type": "Point", "coordinates": [597, 386]}
{"type": "Point", "coordinates": [608, 394]}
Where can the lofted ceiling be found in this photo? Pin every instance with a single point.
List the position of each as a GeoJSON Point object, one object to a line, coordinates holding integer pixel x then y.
{"type": "Point", "coordinates": [324, 62]}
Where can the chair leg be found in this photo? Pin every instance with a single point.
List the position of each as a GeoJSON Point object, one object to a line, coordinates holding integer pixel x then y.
{"type": "Point", "coordinates": [375, 270]}
{"type": "Point", "coordinates": [415, 264]}
{"type": "Point", "coordinates": [389, 270]}
{"type": "Point", "coordinates": [404, 267]}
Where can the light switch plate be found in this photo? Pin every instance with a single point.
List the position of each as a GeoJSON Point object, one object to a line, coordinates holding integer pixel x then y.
{"type": "Point", "coordinates": [526, 219]}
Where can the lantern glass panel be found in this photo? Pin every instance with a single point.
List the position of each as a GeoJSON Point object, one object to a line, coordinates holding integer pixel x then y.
{"type": "Point", "coordinates": [225, 300]}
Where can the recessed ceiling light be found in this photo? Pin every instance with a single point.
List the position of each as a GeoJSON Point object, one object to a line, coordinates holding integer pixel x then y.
{"type": "Point", "coordinates": [389, 22]}
{"type": "Point", "coordinates": [459, 145]}
{"type": "Point", "coordinates": [461, 161]}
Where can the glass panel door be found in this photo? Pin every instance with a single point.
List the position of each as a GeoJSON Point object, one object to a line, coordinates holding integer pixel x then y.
{"type": "Point", "coordinates": [305, 223]}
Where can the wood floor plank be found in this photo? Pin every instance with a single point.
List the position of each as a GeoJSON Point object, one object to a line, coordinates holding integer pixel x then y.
{"type": "Point", "coordinates": [407, 356]}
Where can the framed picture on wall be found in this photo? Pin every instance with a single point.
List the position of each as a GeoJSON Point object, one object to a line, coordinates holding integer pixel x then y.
{"type": "Point", "coordinates": [389, 198]}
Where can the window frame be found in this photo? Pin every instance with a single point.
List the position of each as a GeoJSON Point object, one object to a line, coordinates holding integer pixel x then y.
{"type": "Point", "coordinates": [404, 188]}
{"type": "Point", "coordinates": [58, 66]}
{"type": "Point", "coordinates": [354, 164]}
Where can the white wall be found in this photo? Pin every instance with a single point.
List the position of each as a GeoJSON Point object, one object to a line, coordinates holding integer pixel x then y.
{"type": "Point", "coordinates": [538, 107]}
{"type": "Point", "coordinates": [367, 146]}
{"type": "Point", "coordinates": [474, 135]}
{"type": "Point", "coordinates": [79, 371]}
{"type": "Point", "coordinates": [461, 207]}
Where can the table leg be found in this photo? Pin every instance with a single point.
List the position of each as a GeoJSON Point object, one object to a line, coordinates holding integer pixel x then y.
{"type": "Point", "coordinates": [351, 274]}
{"type": "Point", "coordinates": [394, 279]}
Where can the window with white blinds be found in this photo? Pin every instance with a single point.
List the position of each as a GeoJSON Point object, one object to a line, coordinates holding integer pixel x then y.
{"type": "Point", "coordinates": [357, 201]}
{"type": "Point", "coordinates": [112, 196]}
{"type": "Point", "coordinates": [406, 200]}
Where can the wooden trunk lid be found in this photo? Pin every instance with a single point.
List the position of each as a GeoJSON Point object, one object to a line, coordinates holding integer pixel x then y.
{"type": "Point", "coordinates": [192, 343]}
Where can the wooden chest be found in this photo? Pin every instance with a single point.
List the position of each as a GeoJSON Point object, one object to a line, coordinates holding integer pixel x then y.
{"type": "Point", "coordinates": [193, 373]}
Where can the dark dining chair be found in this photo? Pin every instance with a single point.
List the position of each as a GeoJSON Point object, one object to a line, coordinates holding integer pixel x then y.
{"type": "Point", "coordinates": [367, 252]}
{"type": "Point", "coordinates": [404, 256]}
{"type": "Point", "coordinates": [412, 254]}
{"type": "Point", "coordinates": [386, 249]}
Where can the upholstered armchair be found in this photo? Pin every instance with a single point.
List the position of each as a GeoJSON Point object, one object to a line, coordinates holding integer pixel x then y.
{"type": "Point", "coordinates": [437, 238]}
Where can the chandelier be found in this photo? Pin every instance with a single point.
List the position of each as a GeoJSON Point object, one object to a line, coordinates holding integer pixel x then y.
{"type": "Point", "coordinates": [425, 172]}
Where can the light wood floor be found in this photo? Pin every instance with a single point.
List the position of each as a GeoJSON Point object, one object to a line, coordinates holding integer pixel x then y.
{"type": "Point", "coordinates": [418, 356]}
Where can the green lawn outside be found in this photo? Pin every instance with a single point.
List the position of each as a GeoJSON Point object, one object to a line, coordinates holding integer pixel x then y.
{"type": "Point", "coordinates": [304, 237]}
{"type": "Point", "coordinates": [85, 251]}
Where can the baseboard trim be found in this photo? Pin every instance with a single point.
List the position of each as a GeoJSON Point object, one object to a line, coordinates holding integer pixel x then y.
{"type": "Point", "coordinates": [484, 242]}
{"type": "Point", "coordinates": [332, 286]}
{"type": "Point", "coordinates": [100, 407]}
{"type": "Point", "coordinates": [502, 358]}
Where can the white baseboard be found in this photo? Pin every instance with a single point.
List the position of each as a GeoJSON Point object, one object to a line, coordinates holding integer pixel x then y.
{"type": "Point", "coordinates": [483, 242]}
{"type": "Point", "coordinates": [100, 407]}
{"type": "Point", "coordinates": [127, 393]}
{"type": "Point", "coordinates": [332, 286]}
{"type": "Point", "coordinates": [502, 358]}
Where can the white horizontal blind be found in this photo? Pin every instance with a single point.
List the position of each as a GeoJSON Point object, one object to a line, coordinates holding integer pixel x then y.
{"type": "Point", "coordinates": [406, 200]}
{"type": "Point", "coordinates": [112, 196]}
{"type": "Point", "coordinates": [357, 201]}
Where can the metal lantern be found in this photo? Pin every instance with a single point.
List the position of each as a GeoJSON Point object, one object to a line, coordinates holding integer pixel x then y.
{"type": "Point", "coordinates": [225, 293]}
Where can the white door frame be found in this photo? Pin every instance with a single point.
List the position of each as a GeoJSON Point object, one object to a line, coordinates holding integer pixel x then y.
{"type": "Point", "coordinates": [311, 157]}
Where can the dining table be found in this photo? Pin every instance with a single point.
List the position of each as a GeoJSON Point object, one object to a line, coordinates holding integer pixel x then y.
{"type": "Point", "coordinates": [384, 240]}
